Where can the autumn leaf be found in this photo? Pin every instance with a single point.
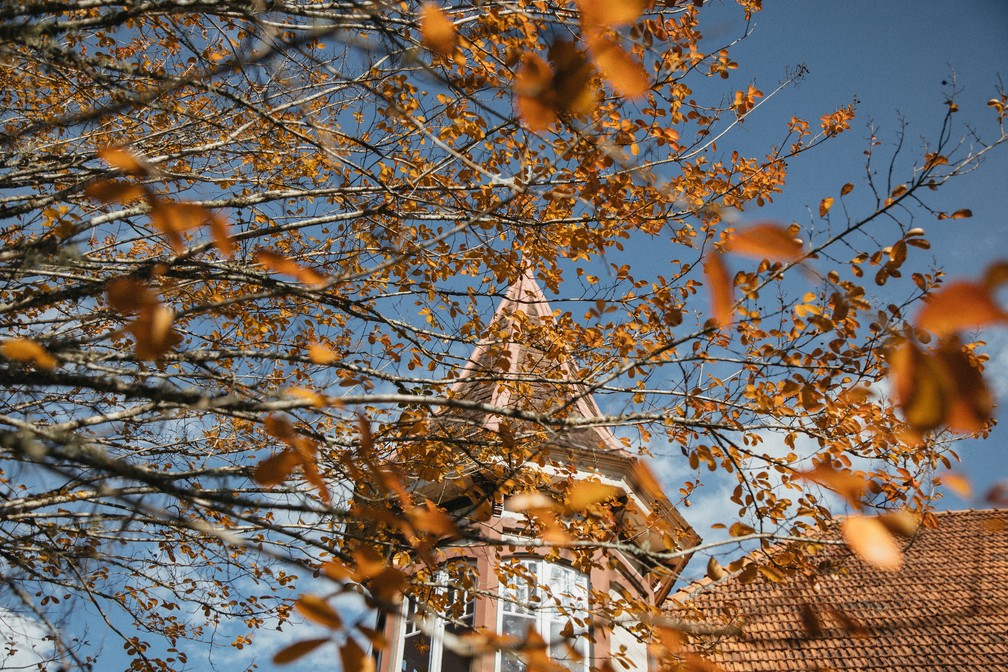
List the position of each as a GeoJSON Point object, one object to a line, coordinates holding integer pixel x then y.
{"type": "Point", "coordinates": [114, 191]}
{"type": "Point", "coordinates": [153, 332]}
{"type": "Point", "coordinates": [297, 650]}
{"type": "Point", "coordinates": [531, 501]}
{"type": "Point", "coordinates": [437, 30]}
{"type": "Point", "coordinates": [765, 241]}
{"type": "Point", "coordinates": [598, 14]}
{"type": "Point", "coordinates": [964, 213]}
{"type": "Point", "coordinates": [278, 263]}
{"type": "Point", "coordinates": [872, 542]}
{"type": "Point", "coordinates": [274, 470]}
{"type": "Point", "coordinates": [720, 287]}
{"type": "Point", "coordinates": [354, 659]}
{"type": "Point", "coordinates": [583, 494]}
{"type": "Point", "coordinates": [174, 219]}
{"type": "Point", "coordinates": [27, 350]}
{"type": "Point", "coordinates": [431, 519]}
{"type": "Point", "coordinates": [715, 572]}
{"type": "Point", "coordinates": [846, 189]}
{"type": "Point", "coordinates": [125, 161]}
{"type": "Point", "coordinates": [958, 484]}
{"type": "Point", "coordinates": [825, 205]}
{"type": "Point", "coordinates": [626, 75]}
{"type": "Point", "coordinates": [319, 354]}
{"type": "Point", "coordinates": [960, 305]}
{"type": "Point", "coordinates": [318, 610]}
{"type": "Point", "coordinates": [846, 484]}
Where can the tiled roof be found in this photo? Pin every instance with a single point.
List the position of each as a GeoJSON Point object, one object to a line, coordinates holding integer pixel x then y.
{"type": "Point", "coordinates": [946, 609]}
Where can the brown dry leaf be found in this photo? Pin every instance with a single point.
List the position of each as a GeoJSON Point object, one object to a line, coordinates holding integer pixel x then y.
{"type": "Point", "coordinates": [535, 96]}
{"type": "Point", "coordinates": [125, 161]}
{"type": "Point", "coordinates": [152, 329]}
{"type": "Point", "coordinates": [714, 569]}
{"type": "Point", "coordinates": [27, 350]}
{"type": "Point", "coordinates": [369, 562]}
{"type": "Point", "coordinates": [437, 30]}
{"type": "Point", "coordinates": [114, 191]}
{"type": "Point", "coordinates": [970, 401]}
{"type": "Point", "coordinates": [354, 658]}
{"type": "Point", "coordinates": [825, 205]}
{"type": "Point", "coordinates": [129, 296]}
{"type": "Point", "coordinates": [625, 73]}
{"type": "Point", "coordinates": [278, 263]}
{"type": "Point", "coordinates": [280, 427]}
{"type": "Point", "coordinates": [871, 541]}
{"type": "Point", "coordinates": [583, 494]}
{"type": "Point", "coordinates": [960, 305]}
{"type": "Point", "coordinates": [275, 470]}
{"type": "Point", "coordinates": [920, 387]}
{"type": "Point", "coordinates": [317, 610]}
{"type": "Point", "coordinates": [572, 78]}
{"type": "Point", "coordinates": [964, 213]}
{"type": "Point", "coordinates": [721, 290]}
{"type": "Point", "coordinates": [289, 654]}
{"type": "Point", "coordinates": [846, 484]}
{"type": "Point", "coordinates": [958, 484]}
{"type": "Point", "coordinates": [846, 189]}
{"type": "Point", "coordinates": [221, 234]}
{"type": "Point", "coordinates": [765, 241]}
{"type": "Point", "coordinates": [174, 219]}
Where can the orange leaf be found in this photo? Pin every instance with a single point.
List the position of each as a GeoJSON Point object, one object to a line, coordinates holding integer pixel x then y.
{"type": "Point", "coordinates": [281, 264]}
{"type": "Point", "coordinates": [124, 160]}
{"type": "Point", "coordinates": [275, 470]}
{"type": "Point", "coordinates": [825, 205]}
{"type": "Point", "coordinates": [27, 350]}
{"type": "Point", "coordinates": [289, 654]}
{"type": "Point", "coordinates": [534, 89]}
{"type": "Point", "coordinates": [996, 275]}
{"type": "Point", "coordinates": [317, 610]}
{"type": "Point", "coordinates": [354, 658]}
{"type": "Point", "coordinates": [626, 74]}
{"type": "Point", "coordinates": [221, 233]}
{"type": "Point", "coordinates": [871, 541]}
{"type": "Point", "coordinates": [919, 387]}
{"type": "Point", "coordinates": [129, 296]}
{"type": "Point", "coordinates": [174, 219]}
{"type": "Point", "coordinates": [429, 518]}
{"type": "Point", "coordinates": [846, 189]}
{"type": "Point", "coordinates": [610, 13]}
{"type": "Point", "coordinates": [846, 484]}
{"type": "Point", "coordinates": [958, 484]}
{"type": "Point", "coordinates": [765, 241]}
{"type": "Point", "coordinates": [153, 332]}
{"type": "Point", "coordinates": [960, 305]}
{"type": "Point", "coordinates": [721, 290]}
{"type": "Point", "coordinates": [583, 494]}
{"type": "Point", "coordinates": [971, 404]}
{"type": "Point", "coordinates": [114, 191]}
{"type": "Point", "coordinates": [437, 30]}
{"type": "Point", "coordinates": [531, 501]}
{"type": "Point", "coordinates": [319, 354]}
{"type": "Point", "coordinates": [958, 214]}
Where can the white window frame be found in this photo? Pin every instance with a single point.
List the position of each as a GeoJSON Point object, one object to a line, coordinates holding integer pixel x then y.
{"type": "Point", "coordinates": [433, 628]}
{"type": "Point", "coordinates": [557, 594]}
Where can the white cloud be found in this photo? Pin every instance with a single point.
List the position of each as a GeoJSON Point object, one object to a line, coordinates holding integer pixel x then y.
{"type": "Point", "coordinates": [23, 642]}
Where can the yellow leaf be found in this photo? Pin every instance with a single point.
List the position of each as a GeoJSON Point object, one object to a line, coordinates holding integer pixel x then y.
{"type": "Point", "coordinates": [583, 494]}
{"type": "Point", "coordinates": [437, 30]}
{"type": "Point", "coordinates": [319, 354]}
{"type": "Point", "coordinates": [125, 161]}
{"type": "Point", "coordinates": [610, 13]}
{"type": "Point", "coordinates": [765, 241]}
{"type": "Point", "coordinates": [825, 205]}
{"type": "Point", "coordinates": [311, 396]}
{"type": "Point", "coordinates": [960, 305]}
{"type": "Point", "coordinates": [27, 350]}
{"type": "Point", "coordinates": [871, 541]}
{"type": "Point", "coordinates": [317, 610]}
{"type": "Point", "coordinates": [720, 285]}
{"type": "Point", "coordinates": [714, 569]}
{"type": "Point", "coordinates": [289, 654]}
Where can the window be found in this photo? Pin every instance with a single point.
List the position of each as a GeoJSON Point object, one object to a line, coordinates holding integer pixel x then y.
{"type": "Point", "coordinates": [425, 651]}
{"type": "Point", "coordinates": [553, 600]}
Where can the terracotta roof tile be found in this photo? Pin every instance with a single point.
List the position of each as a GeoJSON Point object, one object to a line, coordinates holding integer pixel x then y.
{"type": "Point", "coordinates": [946, 609]}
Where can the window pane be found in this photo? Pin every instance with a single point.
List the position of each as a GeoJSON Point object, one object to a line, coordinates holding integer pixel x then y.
{"type": "Point", "coordinates": [416, 653]}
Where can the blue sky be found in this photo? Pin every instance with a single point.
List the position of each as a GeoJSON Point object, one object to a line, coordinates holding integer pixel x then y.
{"type": "Point", "coordinates": [892, 57]}
{"type": "Point", "coordinates": [897, 59]}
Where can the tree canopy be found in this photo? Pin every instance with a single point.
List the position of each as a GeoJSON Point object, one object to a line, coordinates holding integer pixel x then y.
{"type": "Point", "coordinates": [249, 246]}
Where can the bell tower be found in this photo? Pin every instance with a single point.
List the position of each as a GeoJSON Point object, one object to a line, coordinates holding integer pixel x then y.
{"type": "Point", "coordinates": [539, 460]}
